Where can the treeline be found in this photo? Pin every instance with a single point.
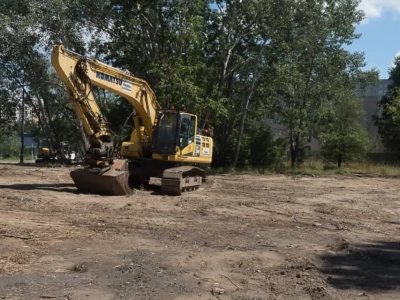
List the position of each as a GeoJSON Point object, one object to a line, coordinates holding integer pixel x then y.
{"type": "Point", "coordinates": [234, 63]}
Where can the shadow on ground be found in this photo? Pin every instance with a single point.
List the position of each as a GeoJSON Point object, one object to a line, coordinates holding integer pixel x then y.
{"type": "Point", "coordinates": [374, 266]}
{"type": "Point", "coordinates": [45, 164]}
{"type": "Point", "coordinates": [26, 164]}
{"type": "Point", "coordinates": [66, 187]}
{"type": "Point", "coordinates": [55, 187]}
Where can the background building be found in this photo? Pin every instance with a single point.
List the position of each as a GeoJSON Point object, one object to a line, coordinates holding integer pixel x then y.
{"type": "Point", "coordinates": [371, 96]}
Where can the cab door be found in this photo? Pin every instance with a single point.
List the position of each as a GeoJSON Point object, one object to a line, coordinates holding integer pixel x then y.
{"type": "Point", "coordinates": [187, 134]}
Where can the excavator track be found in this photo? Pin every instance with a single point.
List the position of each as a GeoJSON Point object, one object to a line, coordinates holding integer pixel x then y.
{"type": "Point", "coordinates": [182, 179]}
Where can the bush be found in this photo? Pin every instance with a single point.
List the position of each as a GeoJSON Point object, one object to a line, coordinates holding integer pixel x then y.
{"type": "Point", "coordinates": [266, 152]}
{"type": "Point", "coordinates": [10, 144]}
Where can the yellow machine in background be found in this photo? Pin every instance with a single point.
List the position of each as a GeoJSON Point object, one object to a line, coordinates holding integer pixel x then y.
{"type": "Point", "coordinates": [165, 142]}
{"type": "Point", "coordinates": [48, 155]}
{"type": "Point", "coordinates": [45, 153]}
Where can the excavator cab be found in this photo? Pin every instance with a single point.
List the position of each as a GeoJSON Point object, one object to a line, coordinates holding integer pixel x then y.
{"type": "Point", "coordinates": [174, 131]}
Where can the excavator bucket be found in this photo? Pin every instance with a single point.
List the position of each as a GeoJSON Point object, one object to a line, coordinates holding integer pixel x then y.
{"type": "Point", "coordinates": [112, 181]}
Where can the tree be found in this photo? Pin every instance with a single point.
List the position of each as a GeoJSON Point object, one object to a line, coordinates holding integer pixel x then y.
{"type": "Point", "coordinates": [10, 143]}
{"type": "Point", "coordinates": [340, 126]}
{"type": "Point", "coordinates": [389, 121]}
{"type": "Point", "coordinates": [311, 57]}
{"type": "Point", "coordinates": [8, 106]}
{"type": "Point", "coordinates": [344, 137]}
{"type": "Point", "coordinates": [29, 29]}
{"type": "Point", "coordinates": [268, 19]}
{"type": "Point", "coordinates": [194, 57]}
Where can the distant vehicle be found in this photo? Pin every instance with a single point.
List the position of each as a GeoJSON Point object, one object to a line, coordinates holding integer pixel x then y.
{"type": "Point", "coordinates": [61, 155]}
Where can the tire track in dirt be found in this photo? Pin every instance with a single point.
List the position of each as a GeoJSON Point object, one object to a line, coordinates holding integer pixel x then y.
{"type": "Point", "coordinates": [255, 237]}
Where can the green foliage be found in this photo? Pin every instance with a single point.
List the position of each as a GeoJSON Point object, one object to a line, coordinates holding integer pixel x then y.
{"type": "Point", "coordinates": [344, 137]}
{"type": "Point", "coordinates": [317, 167]}
{"type": "Point", "coordinates": [388, 121]}
{"type": "Point", "coordinates": [10, 144]}
{"type": "Point", "coordinates": [118, 113]}
{"type": "Point", "coordinates": [349, 145]}
{"type": "Point", "coordinates": [233, 66]}
{"type": "Point", "coordinates": [311, 60]}
{"type": "Point", "coordinates": [266, 152]}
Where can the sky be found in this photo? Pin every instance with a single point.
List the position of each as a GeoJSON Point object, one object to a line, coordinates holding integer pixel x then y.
{"type": "Point", "coordinates": [380, 40]}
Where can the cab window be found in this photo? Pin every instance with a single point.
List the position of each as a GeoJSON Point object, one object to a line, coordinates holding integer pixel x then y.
{"type": "Point", "coordinates": [187, 132]}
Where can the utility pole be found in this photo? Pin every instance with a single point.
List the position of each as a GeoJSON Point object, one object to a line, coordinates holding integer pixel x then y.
{"type": "Point", "coordinates": [21, 156]}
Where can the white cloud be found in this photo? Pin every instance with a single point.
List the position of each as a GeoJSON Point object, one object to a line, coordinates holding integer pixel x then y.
{"type": "Point", "coordinates": [376, 8]}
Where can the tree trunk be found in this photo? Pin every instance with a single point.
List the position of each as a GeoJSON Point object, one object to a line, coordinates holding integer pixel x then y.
{"type": "Point", "coordinates": [293, 158]}
{"type": "Point", "coordinates": [82, 134]}
{"type": "Point", "coordinates": [81, 152]}
{"type": "Point", "coordinates": [340, 156]}
{"type": "Point", "coordinates": [222, 146]}
{"type": "Point", "coordinates": [292, 150]}
{"type": "Point", "coordinates": [42, 121]}
{"type": "Point", "coordinates": [246, 105]}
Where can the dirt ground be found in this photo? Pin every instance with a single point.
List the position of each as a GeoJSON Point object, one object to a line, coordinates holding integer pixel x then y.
{"type": "Point", "coordinates": [238, 237]}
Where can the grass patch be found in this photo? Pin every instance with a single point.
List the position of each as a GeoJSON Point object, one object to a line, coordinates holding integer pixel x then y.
{"type": "Point", "coordinates": [318, 168]}
{"type": "Point", "coordinates": [10, 158]}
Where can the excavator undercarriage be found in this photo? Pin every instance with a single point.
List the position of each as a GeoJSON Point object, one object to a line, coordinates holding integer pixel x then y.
{"type": "Point", "coordinates": [117, 180]}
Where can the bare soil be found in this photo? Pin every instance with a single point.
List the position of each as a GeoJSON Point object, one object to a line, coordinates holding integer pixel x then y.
{"type": "Point", "coordinates": [238, 237]}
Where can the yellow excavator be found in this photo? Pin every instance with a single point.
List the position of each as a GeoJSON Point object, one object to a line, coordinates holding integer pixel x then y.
{"type": "Point", "coordinates": [165, 143]}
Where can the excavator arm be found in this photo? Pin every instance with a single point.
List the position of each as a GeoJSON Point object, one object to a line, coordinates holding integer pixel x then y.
{"type": "Point", "coordinates": [79, 74]}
